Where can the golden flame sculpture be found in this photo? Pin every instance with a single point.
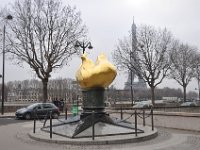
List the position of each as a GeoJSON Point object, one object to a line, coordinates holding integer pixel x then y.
{"type": "Point", "coordinates": [99, 74]}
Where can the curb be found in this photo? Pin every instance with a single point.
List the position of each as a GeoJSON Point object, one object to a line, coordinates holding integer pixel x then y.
{"type": "Point", "coordinates": [121, 139]}
{"type": "Point", "coordinates": [7, 116]}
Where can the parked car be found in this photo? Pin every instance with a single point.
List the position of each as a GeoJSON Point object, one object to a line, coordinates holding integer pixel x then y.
{"type": "Point", "coordinates": [189, 104]}
{"type": "Point", "coordinates": [107, 104]}
{"type": "Point", "coordinates": [143, 104]}
{"type": "Point", "coordinates": [41, 109]}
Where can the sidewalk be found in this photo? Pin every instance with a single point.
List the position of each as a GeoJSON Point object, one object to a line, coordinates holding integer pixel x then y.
{"type": "Point", "coordinates": [12, 115]}
{"type": "Point", "coordinates": [8, 115]}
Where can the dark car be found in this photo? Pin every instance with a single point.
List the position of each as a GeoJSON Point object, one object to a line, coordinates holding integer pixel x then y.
{"type": "Point", "coordinates": [42, 110]}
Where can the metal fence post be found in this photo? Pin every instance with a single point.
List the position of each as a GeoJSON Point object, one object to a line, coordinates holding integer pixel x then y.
{"type": "Point", "coordinates": [34, 123]}
{"type": "Point", "coordinates": [77, 103]}
{"type": "Point", "coordinates": [66, 113]}
{"type": "Point", "coordinates": [136, 122]}
{"type": "Point", "coordinates": [152, 123]}
{"type": "Point", "coordinates": [50, 124]}
{"type": "Point", "coordinates": [121, 113]}
{"type": "Point", "coordinates": [93, 129]}
{"type": "Point", "coordinates": [143, 117]}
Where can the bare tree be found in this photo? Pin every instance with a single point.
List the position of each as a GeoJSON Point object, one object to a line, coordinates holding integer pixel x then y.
{"type": "Point", "coordinates": [43, 35]}
{"type": "Point", "coordinates": [182, 59]}
{"type": "Point", "coordinates": [149, 57]}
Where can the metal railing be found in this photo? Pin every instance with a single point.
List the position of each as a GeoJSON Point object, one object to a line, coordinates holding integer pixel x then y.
{"type": "Point", "coordinates": [142, 113]}
{"type": "Point", "coordinates": [48, 115]}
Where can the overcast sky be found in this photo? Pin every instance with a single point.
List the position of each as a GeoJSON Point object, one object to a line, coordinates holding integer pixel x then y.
{"type": "Point", "coordinates": [110, 20]}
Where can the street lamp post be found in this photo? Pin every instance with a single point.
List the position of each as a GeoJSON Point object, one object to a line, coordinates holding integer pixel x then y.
{"type": "Point", "coordinates": [9, 17]}
{"type": "Point", "coordinates": [83, 45]}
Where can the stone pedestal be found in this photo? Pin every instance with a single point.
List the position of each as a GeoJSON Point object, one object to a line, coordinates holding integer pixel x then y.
{"type": "Point", "coordinates": [93, 101]}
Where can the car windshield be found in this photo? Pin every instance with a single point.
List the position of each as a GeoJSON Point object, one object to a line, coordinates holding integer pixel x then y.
{"type": "Point", "coordinates": [32, 106]}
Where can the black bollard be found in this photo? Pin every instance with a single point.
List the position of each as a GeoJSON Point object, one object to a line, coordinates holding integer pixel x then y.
{"type": "Point", "coordinates": [135, 122]}
{"type": "Point", "coordinates": [34, 123]}
{"type": "Point", "coordinates": [93, 130]}
{"type": "Point", "coordinates": [50, 124]}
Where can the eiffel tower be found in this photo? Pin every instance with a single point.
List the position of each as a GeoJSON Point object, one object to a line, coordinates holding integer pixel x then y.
{"type": "Point", "coordinates": [140, 84]}
{"type": "Point", "coordinates": [137, 85]}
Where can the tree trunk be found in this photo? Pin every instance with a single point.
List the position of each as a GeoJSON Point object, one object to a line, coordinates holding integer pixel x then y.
{"type": "Point", "coordinates": [184, 93]}
{"type": "Point", "coordinates": [153, 95]}
{"type": "Point", "coordinates": [45, 94]}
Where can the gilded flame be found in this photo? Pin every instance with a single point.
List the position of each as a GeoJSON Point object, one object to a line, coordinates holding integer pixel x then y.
{"type": "Point", "coordinates": [99, 74]}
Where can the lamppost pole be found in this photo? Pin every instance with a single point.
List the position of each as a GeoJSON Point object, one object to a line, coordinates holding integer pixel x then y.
{"type": "Point", "coordinates": [83, 45]}
{"type": "Point", "coordinates": [3, 73]}
{"type": "Point", "coordinates": [9, 17]}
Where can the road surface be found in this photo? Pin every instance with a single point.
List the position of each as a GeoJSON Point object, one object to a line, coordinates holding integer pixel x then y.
{"type": "Point", "coordinates": [13, 135]}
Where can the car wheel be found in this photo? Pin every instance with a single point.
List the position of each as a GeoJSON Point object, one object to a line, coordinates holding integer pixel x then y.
{"type": "Point", "coordinates": [27, 116]}
{"type": "Point", "coordinates": [55, 115]}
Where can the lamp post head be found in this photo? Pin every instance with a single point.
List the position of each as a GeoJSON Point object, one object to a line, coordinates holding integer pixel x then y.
{"type": "Point", "coordinates": [90, 46]}
{"type": "Point", "coordinates": [83, 45]}
{"type": "Point", "coordinates": [77, 44]}
{"type": "Point", "coordinates": [9, 17]}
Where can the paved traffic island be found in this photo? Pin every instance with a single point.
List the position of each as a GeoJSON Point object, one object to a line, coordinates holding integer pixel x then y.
{"type": "Point", "coordinates": [148, 134]}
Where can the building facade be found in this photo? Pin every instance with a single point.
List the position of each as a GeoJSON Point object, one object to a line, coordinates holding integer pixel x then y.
{"type": "Point", "coordinates": [32, 90]}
